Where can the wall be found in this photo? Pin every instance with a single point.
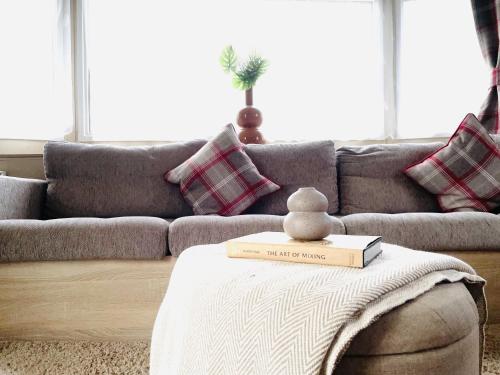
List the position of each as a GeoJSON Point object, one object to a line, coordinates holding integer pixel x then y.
{"type": "Point", "coordinates": [29, 166]}
{"type": "Point", "coordinates": [22, 158]}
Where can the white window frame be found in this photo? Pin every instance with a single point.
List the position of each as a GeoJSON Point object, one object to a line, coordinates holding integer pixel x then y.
{"type": "Point", "coordinates": [81, 75]}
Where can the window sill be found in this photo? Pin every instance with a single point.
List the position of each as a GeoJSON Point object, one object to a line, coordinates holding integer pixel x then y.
{"type": "Point", "coordinates": [29, 148]}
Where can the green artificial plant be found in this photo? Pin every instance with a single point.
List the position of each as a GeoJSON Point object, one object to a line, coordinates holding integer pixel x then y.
{"type": "Point", "coordinates": [245, 74]}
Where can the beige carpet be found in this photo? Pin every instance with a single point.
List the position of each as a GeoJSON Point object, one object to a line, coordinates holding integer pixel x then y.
{"type": "Point", "coordinates": [73, 358]}
{"type": "Point", "coordinates": [113, 358]}
{"type": "Point", "coordinates": [491, 365]}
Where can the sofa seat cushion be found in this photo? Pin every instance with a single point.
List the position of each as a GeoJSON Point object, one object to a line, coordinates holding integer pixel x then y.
{"type": "Point", "coordinates": [83, 238]}
{"type": "Point", "coordinates": [436, 333]}
{"type": "Point", "coordinates": [198, 230]}
{"type": "Point", "coordinates": [430, 231]}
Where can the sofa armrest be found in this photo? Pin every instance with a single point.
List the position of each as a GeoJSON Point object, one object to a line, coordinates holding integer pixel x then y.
{"type": "Point", "coordinates": [21, 198]}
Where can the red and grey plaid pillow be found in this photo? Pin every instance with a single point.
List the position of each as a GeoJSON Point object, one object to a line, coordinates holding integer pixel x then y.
{"type": "Point", "coordinates": [464, 174]}
{"type": "Point", "coordinates": [220, 178]}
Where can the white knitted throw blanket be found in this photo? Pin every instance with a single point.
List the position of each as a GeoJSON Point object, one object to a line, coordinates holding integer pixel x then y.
{"type": "Point", "coordinates": [240, 316]}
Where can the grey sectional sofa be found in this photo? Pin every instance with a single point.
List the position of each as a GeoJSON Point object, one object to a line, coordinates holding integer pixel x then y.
{"type": "Point", "coordinates": [106, 202]}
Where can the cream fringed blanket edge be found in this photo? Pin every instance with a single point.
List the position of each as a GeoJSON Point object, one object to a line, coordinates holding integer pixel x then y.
{"type": "Point", "coordinates": [239, 316]}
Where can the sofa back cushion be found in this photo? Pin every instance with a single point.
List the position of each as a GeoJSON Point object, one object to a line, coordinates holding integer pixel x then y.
{"type": "Point", "coordinates": [371, 179]}
{"type": "Point", "coordinates": [291, 166]}
{"type": "Point", "coordinates": [107, 181]}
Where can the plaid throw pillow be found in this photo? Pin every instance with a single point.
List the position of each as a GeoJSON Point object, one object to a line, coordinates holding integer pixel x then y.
{"type": "Point", "coordinates": [220, 178]}
{"type": "Point", "coordinates": [464, 174]}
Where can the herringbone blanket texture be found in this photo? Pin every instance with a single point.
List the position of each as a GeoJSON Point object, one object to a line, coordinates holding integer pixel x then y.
{"type": "Point", "coordinates": [235, 316]}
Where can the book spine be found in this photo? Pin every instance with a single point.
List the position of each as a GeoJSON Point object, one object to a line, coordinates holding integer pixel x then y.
{"type": "Point", "coordinates": [297, 254]}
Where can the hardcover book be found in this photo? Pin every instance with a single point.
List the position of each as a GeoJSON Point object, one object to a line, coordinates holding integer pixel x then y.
{"type": "Point", "coordinates": [335, 250]}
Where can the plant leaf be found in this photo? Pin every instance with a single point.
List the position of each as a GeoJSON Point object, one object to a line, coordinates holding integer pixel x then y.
{"type": "Point", "coordinates": [237, 83]}
{"type": "Point", "coordinates": [249, 73]}
{"type": "Point", "coordinates": [228, 59]}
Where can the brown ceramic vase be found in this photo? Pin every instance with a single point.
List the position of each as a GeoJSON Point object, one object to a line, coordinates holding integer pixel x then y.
{"type": "Point", "coordinates": [249, 119]}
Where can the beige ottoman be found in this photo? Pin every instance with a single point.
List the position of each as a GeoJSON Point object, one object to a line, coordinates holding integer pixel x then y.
{"type": "Point", "coordinates": [435, 334]}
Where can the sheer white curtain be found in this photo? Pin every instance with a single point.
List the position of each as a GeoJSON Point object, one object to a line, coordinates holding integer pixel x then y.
{"type": "Point", "coordinates": [154, 71]}
{"type": "Point", "coordinates": [442, 72]}
{"type": "Point", "coordinates": [35, 69]}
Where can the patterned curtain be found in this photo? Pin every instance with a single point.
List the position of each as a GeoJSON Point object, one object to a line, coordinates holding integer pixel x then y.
{"type": "Point", "coordinates": [486, 17]}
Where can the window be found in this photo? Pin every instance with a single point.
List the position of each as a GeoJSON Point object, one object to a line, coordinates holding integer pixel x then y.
{"type": "Point", "coordinates": [149, 70]}
{"type": "Point", "coordinates": [442, 75]}
{"type": "Point", "coordinates": [35, 69]}
{"type": "Point", "coordinates": [155, 74]}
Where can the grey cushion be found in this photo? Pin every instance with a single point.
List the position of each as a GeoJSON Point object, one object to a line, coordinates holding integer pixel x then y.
{"type": "Point", "coordinates": [108, 181]}
{"type": "Point", "coordinates": [83, 238]}
{"type": "Point", "coordinates": [21, 198]}
{"type": "Point", "coordinates": [295, 165]}
{"type": "Point", "coordinates": [431, 231]}
{"type": "Point", "coordinates": [197, 230]}
{"type": "Point", "coordinates": [370, 179]}
{"type": "Point", "coordinates": [437, 333]}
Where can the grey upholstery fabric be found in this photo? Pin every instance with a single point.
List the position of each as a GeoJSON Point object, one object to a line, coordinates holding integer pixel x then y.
{"type": "Point", "coordinates": [370, 179]}
{"type": "Point", "coordinates": [291, 166]}
{"type": "Point", "coordinates": [109, 181]}
{"type": "Point", "coordinates": [95, 180]}
{"type": "Point", "coordinates": [197, 230]}
{"type": "Point", "coordinates": [437, 333]}
{"type": "Point", "coordinates": [459, 358]}
{"type": "Point", "coordinates": [21, 198]}
{"type": "Point", "coordinates": [430, 231]}
{"type": "Point", "coordinates": [443, 315]}
{"type": "Point", "coordinates": [83, 238]}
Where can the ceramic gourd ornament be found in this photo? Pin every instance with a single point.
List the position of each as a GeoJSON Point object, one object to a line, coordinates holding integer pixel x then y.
{"type": "Point", "coordinates": [307, 219]}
